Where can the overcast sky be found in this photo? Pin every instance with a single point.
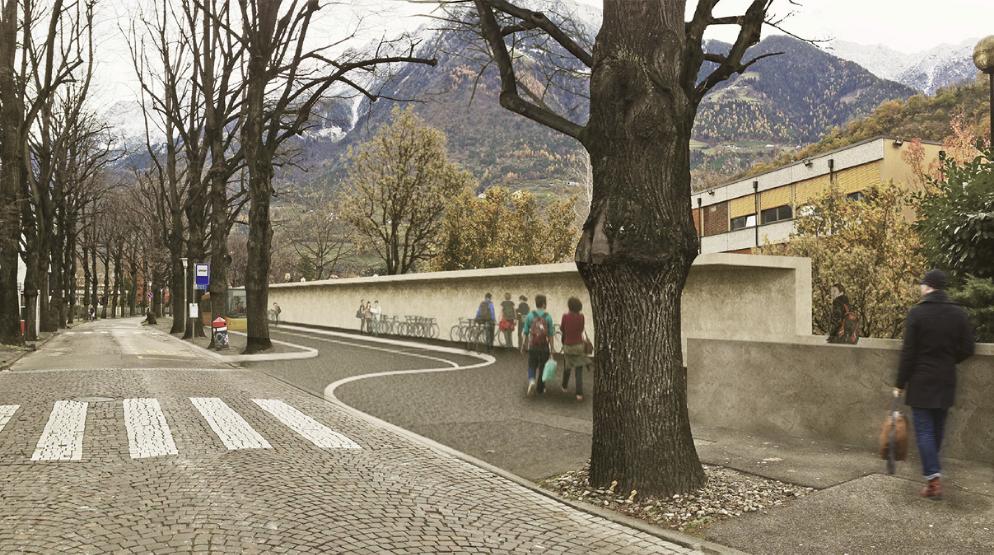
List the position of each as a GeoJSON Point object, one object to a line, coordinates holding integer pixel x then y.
{"type": "Point", "coordinates": [905, 25]}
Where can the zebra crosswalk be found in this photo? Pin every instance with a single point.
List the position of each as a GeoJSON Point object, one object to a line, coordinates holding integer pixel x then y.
{"type": "Point", "coordinates": [149, 434]}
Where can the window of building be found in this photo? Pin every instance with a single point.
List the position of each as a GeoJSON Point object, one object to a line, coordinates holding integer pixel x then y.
{"type": "Point", "coordinates": [856, 197]}
{"type": "Point", "coordinates": [743, 222]}
{"type": "Point", "coordinates": [777, 214]}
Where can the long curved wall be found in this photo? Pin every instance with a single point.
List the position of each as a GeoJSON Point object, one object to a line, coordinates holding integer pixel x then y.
{"type": "Point", "coordinates": [726, 296]}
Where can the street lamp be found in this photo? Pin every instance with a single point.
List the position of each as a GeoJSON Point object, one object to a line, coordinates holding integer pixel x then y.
{"type": "Point", "coordinates": [983, 58]}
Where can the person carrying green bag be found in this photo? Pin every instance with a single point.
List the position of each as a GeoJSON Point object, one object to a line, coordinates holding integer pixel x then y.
{"type": "Point", "coordinates": [538, 333]}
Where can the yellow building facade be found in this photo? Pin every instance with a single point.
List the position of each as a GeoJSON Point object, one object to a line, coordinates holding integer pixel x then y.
{"type": "Point", "coordinates": [741, 215]}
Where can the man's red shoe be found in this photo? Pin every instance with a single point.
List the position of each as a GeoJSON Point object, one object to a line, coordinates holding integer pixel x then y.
{"type": "Point", "coordinates": [933, 490]}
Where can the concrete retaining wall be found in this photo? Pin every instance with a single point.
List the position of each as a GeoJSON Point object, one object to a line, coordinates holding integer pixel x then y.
{"type": "Point", "coordinates": [833, 392]}
{"type": "Point", "coordinates": [727, 295]}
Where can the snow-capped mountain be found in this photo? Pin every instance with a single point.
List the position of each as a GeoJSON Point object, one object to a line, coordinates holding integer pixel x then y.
{"type": "Point", "coordinates": [927, 71]}
{"type": "Point", "coordinates": [940, 67]}
{"type": "Point", "coordinates": [881, 60]}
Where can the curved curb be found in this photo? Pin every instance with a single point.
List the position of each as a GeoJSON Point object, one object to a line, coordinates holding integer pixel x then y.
{"type": "Point", "coordinates": [305, 352]}
{"type": "Point", "coordinates": [684, 540]}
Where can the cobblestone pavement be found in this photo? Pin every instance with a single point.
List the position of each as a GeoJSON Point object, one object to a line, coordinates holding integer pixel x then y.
{"type": "Point", "coordinates": [221, 460]}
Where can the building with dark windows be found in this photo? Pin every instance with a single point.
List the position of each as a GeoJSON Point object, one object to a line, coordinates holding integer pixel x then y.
{"type": "Point", "coordinates": [738, 216]}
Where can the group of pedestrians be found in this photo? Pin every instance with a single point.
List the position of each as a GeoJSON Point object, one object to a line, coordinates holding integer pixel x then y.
{"type": "Point", "coordinates": [369, 314]}
{"type": "Point", "coordinates": [536, 331]}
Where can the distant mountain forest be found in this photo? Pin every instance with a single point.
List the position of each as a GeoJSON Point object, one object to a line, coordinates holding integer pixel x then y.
{"type": "Point", "coordinates": [919, 117]}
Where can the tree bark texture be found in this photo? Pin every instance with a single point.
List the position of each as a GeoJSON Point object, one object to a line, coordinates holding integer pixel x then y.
{"type": "Point", "coordinates": [637, 247]}
{"type": "Point", "coordinates": [11, 166]}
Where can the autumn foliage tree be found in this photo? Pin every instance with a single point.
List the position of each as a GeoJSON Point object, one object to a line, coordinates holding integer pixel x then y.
{"type": "Point", "coordinates": [505, 228]}
{"type": "Point", "coordinates": [398, 187]}
{"type": "Point", "coordinates": [867, 246]}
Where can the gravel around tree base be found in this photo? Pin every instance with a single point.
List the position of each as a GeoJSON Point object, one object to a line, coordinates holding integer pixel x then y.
{"type": "Point", "coordinates": [727, 494]}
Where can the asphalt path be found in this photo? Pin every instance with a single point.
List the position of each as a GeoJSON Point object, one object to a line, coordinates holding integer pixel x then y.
{"type": "Point", "coordinates": [483, 411]}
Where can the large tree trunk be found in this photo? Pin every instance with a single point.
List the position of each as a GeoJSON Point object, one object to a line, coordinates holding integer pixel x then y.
{"type": "Point", "coordinates": [95, 283]}
{"type": "Point", "coordinates": [69, 275]}
{"type": "Point", "coordinates": [30, 234]}
{"type": "Point", "coordinates": [636, 250]}
{"type": "Point", "coordinates": [133, 287]}
{"type": "Point", "coordinates": [11, 166]}
{"type": "Point", "coordinates": [195, 216]}
{"type": "Point", "coordinates": [117, 284]}
{"type": "Point", "coordinates": [106, 296]}
{"type": "Point", "coordinates": [177, 284]}
{"type": "Point", "coordinates": [56, 312]}
{"type": "Point", "coordinates": [257, 271]}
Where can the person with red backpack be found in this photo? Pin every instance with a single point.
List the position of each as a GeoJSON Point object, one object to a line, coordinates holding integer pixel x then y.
{"type": "Point", "coordinates": [538, 331]}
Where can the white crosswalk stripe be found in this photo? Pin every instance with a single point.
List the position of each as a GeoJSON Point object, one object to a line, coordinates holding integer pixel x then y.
{"type": "Point", "coordinates": [62, 439]}
{"type": "Point", "coordinates": [312, 430]}
{"type": "Point", "coordinates": [148, 432]}
{"type": "Point", "coordinates": [6, 413]}
{"type": "Point", "coordinates": [229, 426]}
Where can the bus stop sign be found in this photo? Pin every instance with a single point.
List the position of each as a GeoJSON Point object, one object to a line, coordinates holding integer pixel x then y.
{"type": "Point", "coordinates": [202, 277]}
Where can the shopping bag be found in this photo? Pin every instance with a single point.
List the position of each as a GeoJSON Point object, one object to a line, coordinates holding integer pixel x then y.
{"type": "Point", "coordinates": [894, 437]}
{"type": "Point", "coordinates": [549, 372]}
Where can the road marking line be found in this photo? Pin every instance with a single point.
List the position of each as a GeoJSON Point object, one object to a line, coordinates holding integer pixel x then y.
{"type": "Point", "coordinates": [148, 432]}
{"type": "Point", "coordinates": [312, 430]}
{"type": "Point", "coordinates": [62, 439]}
{"type": "Point", "coordinates": [229, 426]}
{"type": "Point", "coordinates": [6, 413]}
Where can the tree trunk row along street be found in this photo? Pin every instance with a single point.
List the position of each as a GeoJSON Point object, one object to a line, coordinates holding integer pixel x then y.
{"type": "Point", "coordinates": [116, 437]}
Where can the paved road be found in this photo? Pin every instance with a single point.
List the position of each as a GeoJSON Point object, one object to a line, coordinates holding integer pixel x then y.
{"type": "Point", "coordinates": [482, 411]}
{"type": "Point", "coordinates": [120, 439]}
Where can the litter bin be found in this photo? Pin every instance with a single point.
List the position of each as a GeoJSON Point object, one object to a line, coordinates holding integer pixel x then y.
{"type": "Point", "coordinates": [220, 329]}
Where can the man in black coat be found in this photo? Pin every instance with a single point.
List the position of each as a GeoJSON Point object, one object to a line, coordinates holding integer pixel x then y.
{"type": "Point", "coordinates": [937, 336]}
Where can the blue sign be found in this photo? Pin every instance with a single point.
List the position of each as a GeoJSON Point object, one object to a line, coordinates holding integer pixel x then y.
{"type": "Point", "coordinates": [202, 277]}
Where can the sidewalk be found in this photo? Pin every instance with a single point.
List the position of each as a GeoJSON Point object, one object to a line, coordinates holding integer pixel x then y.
{"type": "Point", "coordinates": [484, 413]}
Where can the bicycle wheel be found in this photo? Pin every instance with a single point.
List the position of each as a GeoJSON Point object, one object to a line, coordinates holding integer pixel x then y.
{"type": "Point", "coordinates": [455, 334]}
{"type": "Point", "coordinates": [501, 339]}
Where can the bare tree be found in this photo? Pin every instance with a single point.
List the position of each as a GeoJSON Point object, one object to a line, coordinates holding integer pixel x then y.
{"type": "Point", "coordinates": [638, 240]}
{"type": "Point", "coordinates": [284, 80]}
{"type": "Point", "coordinates": [320, 237]}
{"type": "Point", "coordinates": [22, 99]}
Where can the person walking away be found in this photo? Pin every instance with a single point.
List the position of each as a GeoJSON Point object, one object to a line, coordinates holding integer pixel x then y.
{"type": "Point", "coordinates": [359, 315]}
{"type": "Point", "coordinates": [538, 334]}
{"type": "Point", "coordinates": [367, 317]}
{"type": "Point", "coordinates": [937, 336]}
{"type": "Point", "coordinates": [574, 345]}
{"type": "Point", "coordinates": [840, 310]}
{"type": "Point", "coordinates": [486, 316]}
{"type": "Point", "coordinates": [522, 313]}
{"type": "Point", "coordinates": [374, 314]}
{"type": "Point", "coordinates": [507, 318]}
{"type": "Point", "coordinates": [276, 312]}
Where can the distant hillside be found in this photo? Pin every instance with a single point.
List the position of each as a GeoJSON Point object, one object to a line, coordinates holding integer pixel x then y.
{"type": "Point", "coordinates": [793, 98]}
{"type": "Point", "coordinates": [780, 103]}
{"type": "Point", "coordinates": [919, 117]}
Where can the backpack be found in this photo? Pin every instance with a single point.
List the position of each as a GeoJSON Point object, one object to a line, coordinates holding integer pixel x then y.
{"type": "Point", "coordinates": [483, 313]}
{"type": "Point", "coordinates": [538, 334]}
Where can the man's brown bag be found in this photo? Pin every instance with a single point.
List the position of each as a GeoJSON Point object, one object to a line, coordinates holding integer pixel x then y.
{"type": "Point", "coordinates": [898, 423]}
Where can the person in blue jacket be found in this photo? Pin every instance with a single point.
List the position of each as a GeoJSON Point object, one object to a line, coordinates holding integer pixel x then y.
{"type": "Point", "coordinates": [486, 315]}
